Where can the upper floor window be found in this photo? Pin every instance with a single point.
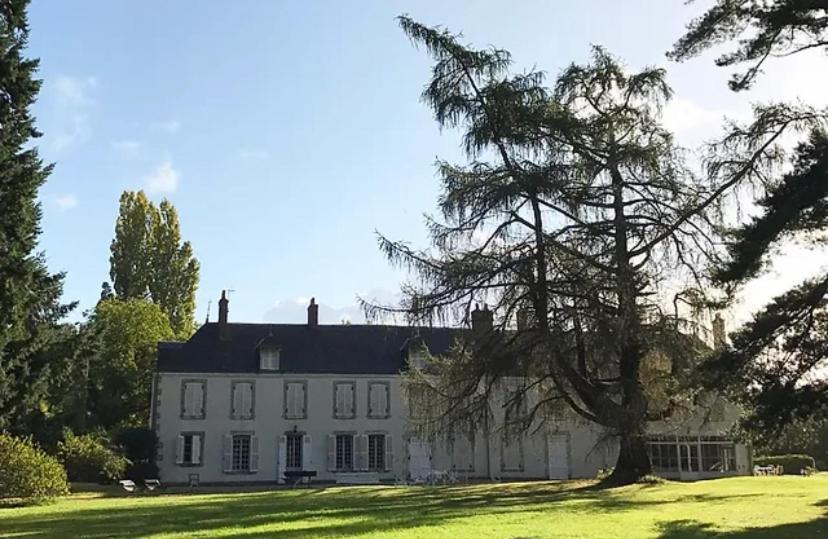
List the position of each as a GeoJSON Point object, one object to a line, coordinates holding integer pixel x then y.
{"type": "Point", "coordinates": [378, 400]}
{"type": "Point", "coordinates": [295, 400]}
{"type": "Point", "coordinates": [269, 358]}
{"type": "Point", "coordinates": [344, 402]}
{"type": "Point", "coordinates": [242, 400]}
{"type": "Point", "coordinates": [192, 399]}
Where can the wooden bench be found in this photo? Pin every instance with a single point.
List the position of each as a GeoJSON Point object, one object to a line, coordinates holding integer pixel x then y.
{"type": "Point", "coordinates": [294, 477]}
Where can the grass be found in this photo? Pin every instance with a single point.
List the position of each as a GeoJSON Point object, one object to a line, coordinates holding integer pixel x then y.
{"type": "Point", "coordinates": [761, 507]}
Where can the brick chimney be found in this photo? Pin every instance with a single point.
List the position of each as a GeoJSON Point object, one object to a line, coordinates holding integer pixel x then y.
{"type": "Point", "coordinates": [313, 313]}
{"type": "Point", "coordinates": [482, 320]}
{"type": "Point", "coordinates": [222, 316]}
{"type": "Point", "coordinates": [719, 334]}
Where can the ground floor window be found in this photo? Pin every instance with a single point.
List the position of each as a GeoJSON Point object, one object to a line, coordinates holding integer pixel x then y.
{"type": "Point", "coordinates": [691, 454]}
{"type": "Point", "coordinates": [241, 453]}
{"type": "Point", "coordinates": [344, 451]}
{"type": "Point", "coordinates": [376, 452]}
{"type": "Point", "coordinates": [188, 451]}
{"type": "Point", "coordinates": [294, 452]}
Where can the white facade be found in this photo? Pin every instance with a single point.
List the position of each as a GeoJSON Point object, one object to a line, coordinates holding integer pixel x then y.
{"type": "Point", "coordinates": [209, 424]}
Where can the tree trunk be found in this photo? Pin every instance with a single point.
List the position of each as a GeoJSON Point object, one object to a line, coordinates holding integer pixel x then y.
{"type": "Point", "coordinates": [633, 462]}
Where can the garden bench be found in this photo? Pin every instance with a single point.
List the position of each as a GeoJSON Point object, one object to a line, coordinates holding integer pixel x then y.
{"type": "Point", "coordinates": [294, 477]}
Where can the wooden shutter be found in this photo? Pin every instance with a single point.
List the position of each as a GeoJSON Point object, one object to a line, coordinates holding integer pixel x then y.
{"type": "Point", "coordinates": [384, 401]}
{"type": "Point", "coordinates": [196, 449]}
{"type": "Point", "coordinates": [348, 406]}
{"type": "Point", "coordinates": [228, 453]}
{"type": "Point", "coordinates": [372, 400]}
{"type": "Point", "coordinates": [281, 459]}
{"type": "Point", "coordinates": [339, 400]}
{"type": "Point", "coordinates": [361, 443]}
{"type": "Point", "coordinates": [247, 395]}
{"type": "Point", "coordinates": [331, 453]}
{"type": "Point", "coordinates": [198, 398]}
{"type": "Point", "coordinates": [179, 450]}
{"type": "Point", "coordinates": [300, 395]}
{"type": "Point", "coordinates": [254, 453]}
{"type": "Point", "coordinates": [389, 453]}
{"type": "Point", "coordinates": [307, 453]}
{"type": "Point", "coordinates": [237, 405]}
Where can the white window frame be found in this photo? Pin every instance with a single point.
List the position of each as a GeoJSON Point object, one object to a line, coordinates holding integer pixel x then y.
{"type": "Point", "coordinates": [196, 440]}
{"type": "Point", "coordinates": [270, 358]}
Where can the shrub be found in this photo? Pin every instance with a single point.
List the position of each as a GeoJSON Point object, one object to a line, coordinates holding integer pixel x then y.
{"type": "Point", "coordinates": [87, 458]}
{"type": "Point", "coordinates": [139, 471]}
{"type": "Point", "coordinates": [27, 473]}
{"type": "Point", "coordinates": [138, 444]}
{"type": "Point", "coordinates": [791, 464]}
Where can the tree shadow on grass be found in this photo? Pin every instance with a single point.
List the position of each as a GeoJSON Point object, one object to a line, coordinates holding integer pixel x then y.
{"type": "Point", "coordinates": [327, 511]}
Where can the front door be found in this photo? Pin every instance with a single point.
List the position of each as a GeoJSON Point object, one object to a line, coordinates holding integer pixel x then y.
{"type": "Point", "coordinates": [558, 450]}
{"type": "Point", "coordinates": [419, 460]}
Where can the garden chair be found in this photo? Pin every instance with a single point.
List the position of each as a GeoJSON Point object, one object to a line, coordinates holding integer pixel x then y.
{"type": "Point", "coordinates": [151, 484]}
{"type": "Point", "coordinates": [128, 485]}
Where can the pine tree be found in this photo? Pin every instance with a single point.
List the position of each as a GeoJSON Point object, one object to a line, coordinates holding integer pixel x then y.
{"type": "Point", "coordinates": [29, 296]}
{"type": "Point", "coordinates": [776, 362]}
{"type": "Point", "coordinates": [149, 261]}
{"type": "Point", "coordinates": [573, 212]}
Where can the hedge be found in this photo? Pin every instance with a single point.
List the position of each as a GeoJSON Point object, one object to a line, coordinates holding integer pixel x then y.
{"type": "Point", "coordinates": [791, 464]}
{"type": "Point", "coordinates": [27, 473]}
{"type": "Point", "coordinates": [87, 458]}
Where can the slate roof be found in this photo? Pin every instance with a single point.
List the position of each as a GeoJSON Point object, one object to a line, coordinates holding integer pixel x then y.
{"type": "Point", "coordinates": [333, 349]}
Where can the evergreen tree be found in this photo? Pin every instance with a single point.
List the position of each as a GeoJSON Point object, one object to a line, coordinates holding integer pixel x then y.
{"type": "Point", "coordinates": [774, 28]}
{"type": "Point", "coordinates": [29, 296]}
{"type": "Point", "coordinates": [576, 208]}
{"type": "Point", "coordinates": [148, 260]}
{"type": "Point", "coordinates": [777, 361]}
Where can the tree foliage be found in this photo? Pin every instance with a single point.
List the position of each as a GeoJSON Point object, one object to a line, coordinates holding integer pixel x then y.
{"type": "Point", "coordinates": [148, 260]}
{"type": "Point", "coordinates": [576, 207]}
{"type": "Point", "coordinates": [773, 28]}
{"type": "Point", "coordinates": [123, 337]}
{"type": "Point", "coordinates": [29, 296]}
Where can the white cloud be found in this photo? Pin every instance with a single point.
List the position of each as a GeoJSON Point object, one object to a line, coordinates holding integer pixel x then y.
{"type": "Point", "coordinates": [127, 147]}
{"type": "Point", "coordinates": [163, 179]}
{"type": "Point", "coordinates": [681, 115]}
{"type": "Point", "coordinates": [67, 201]}
{"type": "Point", "coordinates": [73, 102]}
{"type": "Point", "coordinates": [170, 126]}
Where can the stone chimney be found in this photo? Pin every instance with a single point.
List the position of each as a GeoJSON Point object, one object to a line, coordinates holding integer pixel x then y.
{"type": "Point", "coordinates": [719, 334]}
{"type": "Point", "coordinates": [482, 320]}
{"type": "Point", "coordinates": [313, 313]}
{"type": "Point", "coordinates": [222, 316]}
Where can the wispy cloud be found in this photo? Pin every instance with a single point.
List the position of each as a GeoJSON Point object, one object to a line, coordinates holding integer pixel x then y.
{"type": "Point", "coordinates": [67, 201]}
{"type": "Point", "coordinates": [163, 179]}
{"type": "Point", "coordinates": [73, 101]}
{"type": "Point", "coordinates": [127, 147]}
{"type": "Point", "coordinates": [170, 126]}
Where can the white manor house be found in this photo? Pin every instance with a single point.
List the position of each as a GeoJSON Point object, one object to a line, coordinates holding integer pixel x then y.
{"type": "Point", "coordinates": [243, 403]}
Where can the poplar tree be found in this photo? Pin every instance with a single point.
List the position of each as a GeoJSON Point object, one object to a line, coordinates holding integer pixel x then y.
{"type": "Point", "coordinates": [29, 295]}
{"type": "Point", "coordinates": [149, 260]}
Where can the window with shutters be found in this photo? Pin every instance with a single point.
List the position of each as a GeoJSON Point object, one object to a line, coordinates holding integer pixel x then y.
{"type": "Point", "coordinates": [376, 452]}
{"type": "Point", "coordinates": [190, 448]}
{"type": "Point", "coordinates": [192, 399]}
{"type": "Point", "coordinates": [378, 400]}
{"type": "Point", "coordinates": [242, 400]}
{"type": "Point", "coordinates": [241, 453]}
{"type": "Point", "coordinates": [345, 452]}
{"type": "Point", "coordinates": [344, 401]}
{"type": "Point", "coordinates": [269, 358]}
{"type": "Point", "coordinates": [293, 452]}
{"type": "Point", "coordinates": [296, 400]}
{"type": "Point", "coordinates": [462, 451]}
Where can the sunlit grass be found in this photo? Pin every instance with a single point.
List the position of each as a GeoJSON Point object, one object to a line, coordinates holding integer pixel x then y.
{"type": "Point", "coordinates": [736, 507]}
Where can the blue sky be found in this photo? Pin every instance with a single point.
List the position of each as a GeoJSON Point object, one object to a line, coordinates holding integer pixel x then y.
{"type": "Point", "coordinates": [287, 132]}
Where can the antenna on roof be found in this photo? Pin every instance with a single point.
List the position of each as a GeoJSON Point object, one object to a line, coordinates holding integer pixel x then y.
{"type": "Point", "coordinates": [209, 304]}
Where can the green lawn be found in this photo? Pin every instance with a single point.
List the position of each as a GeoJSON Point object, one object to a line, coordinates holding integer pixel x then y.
{"type": "Point", "coordinates": [762, 507]}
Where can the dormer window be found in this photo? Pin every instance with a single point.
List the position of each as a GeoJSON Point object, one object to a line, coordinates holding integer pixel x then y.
{"type": "Point", "coordinates": [269, 358]}
{"type": "Point", "coordinates": [418, 357]}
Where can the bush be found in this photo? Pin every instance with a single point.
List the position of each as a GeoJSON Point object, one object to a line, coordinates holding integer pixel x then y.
{"type": "Point", "coordinates": [27, 473]}
{"type": "Point", "coordinates": [138, 444]}
{"type": "Point", "coordinates": [87, 458]}
{"type": "Point", "coordinates": [791, 464]}
{"type": "Point", "coordinates": [140, 471]}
